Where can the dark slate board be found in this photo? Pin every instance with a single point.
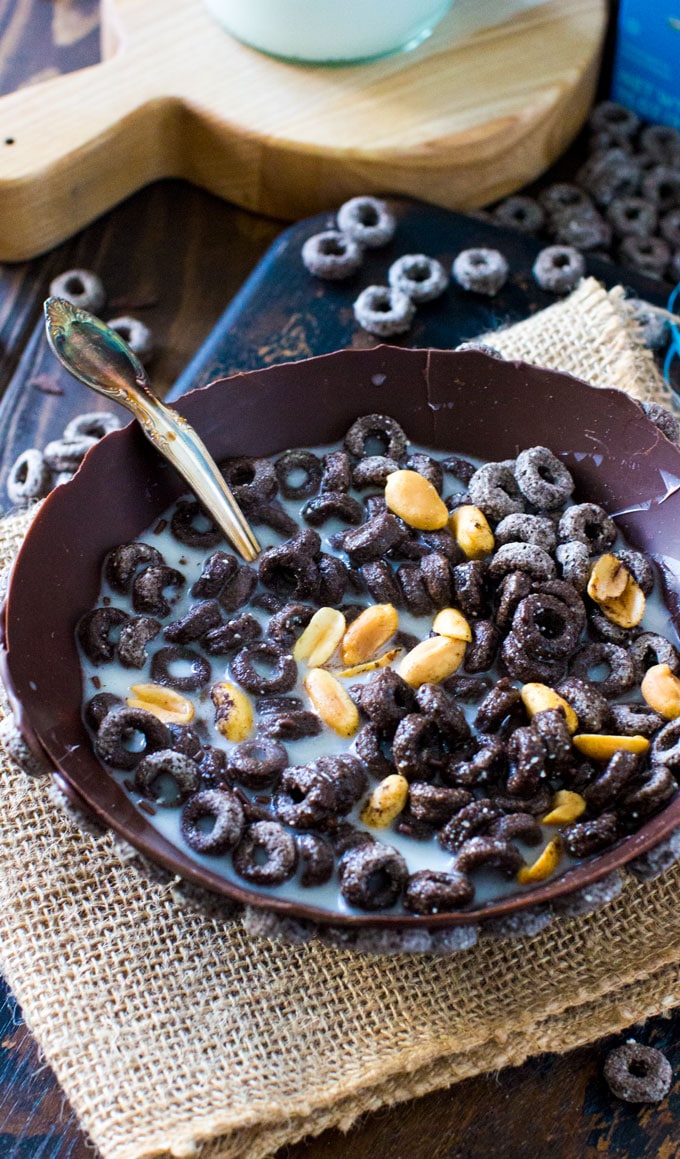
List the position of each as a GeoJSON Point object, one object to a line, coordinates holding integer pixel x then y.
{"type": "Point", "coordinates": [283, 313]}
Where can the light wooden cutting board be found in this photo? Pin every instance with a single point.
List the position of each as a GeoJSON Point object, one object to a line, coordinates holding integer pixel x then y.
{"type": "Point", "coordinates": [460, 121]}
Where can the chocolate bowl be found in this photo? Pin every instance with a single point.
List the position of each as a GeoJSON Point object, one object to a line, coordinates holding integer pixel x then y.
{"type": "Point", "coordinates": [467, 403]}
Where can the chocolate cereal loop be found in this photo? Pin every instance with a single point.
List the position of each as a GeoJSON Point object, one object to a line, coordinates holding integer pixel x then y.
{"type": "Point", "coordinates": [367, 220]}
{"type": "Point", "coordinates": [372, 877]}
{"type": "Point", "coordinates": [224, 809]}
{"type": "Point", "coordinates": [384, 310]}
{"type": "Point", "coordinates": [419, 277]}
{"type": "Point", "coordinates": [266, 854]}
{"type": "Point", "coordinates": [559, 268]}
{"type": "Point", "coordinates": [637, 1073]}
{"type": "Point", "coordinates": [332, 255]}
{"type": "Point", "coordinates": [483, 271]}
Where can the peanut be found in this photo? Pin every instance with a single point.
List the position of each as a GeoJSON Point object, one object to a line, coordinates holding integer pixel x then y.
{"type": "Point", "coordinates": [452, 623]}
{"type": "Point", "coordinates": [618, 595]}
{"type": "Point", "coordinates": [168, 705]}
{"type": "Point", "coordinates": [367, 634]}
{"type": "Point", "coordinates": [370, 665]}
{"type": "Point", "coordinates": [432, 660]}
{"type": "Point", "coordinates": [540, 697]}
{"type": "Point", "coordinates": [413, 498]}
{"type": "Point", "coordinates": [332, 703]}
{"type": "Point", "coordinates": [320, 638]}
{"type": "Point", "coordinates": [233, 711]}
{"type": "Point", "coordinates": [545, 864]}
{"type": "Point", "coordinates": [386, 802]}
{"type": "Point", "coordinates": [627, 609]}
{"type": "Point", "coordinates": [470, 529]}
{"type": "Point", "coordinates": [566, 807]}
{"type": "Point", "coordinates": [608, 577]}
{"type": "Point", "coordinates": [601, 747]}
{"type": "Point", "coordinates": [661, 689]}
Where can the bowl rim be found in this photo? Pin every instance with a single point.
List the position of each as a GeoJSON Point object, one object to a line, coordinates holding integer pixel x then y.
{"type": "Point", "coordinates": [129, 823]}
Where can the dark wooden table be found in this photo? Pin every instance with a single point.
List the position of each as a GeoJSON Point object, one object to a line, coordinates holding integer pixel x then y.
{"type": "Point", "coordinates": [554, 1107]}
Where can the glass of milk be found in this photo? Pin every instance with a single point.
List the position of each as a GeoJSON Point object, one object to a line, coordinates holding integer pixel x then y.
{"type": "Point", "coordinates": [330, 31]}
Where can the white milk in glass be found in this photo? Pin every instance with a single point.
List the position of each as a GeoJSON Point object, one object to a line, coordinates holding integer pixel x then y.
{"type": "Point", "coordinates": [330, 31]}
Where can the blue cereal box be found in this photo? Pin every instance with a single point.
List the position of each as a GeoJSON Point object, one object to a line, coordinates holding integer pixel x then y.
{"type": "Point", "coordinates": [647, 62]}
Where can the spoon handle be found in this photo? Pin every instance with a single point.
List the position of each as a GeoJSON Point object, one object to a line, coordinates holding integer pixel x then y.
{"type": "Point", "coordinates": [178, 442]}
{"type": "Point", "coordinates": [94, 354]}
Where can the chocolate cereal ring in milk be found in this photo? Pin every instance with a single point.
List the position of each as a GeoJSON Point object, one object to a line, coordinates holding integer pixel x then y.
{"type": "Point", "coordinates": [332, 255]}
{"type": "Point", "coordinates": [494, 489]}
{"type": "Point", "coordinates": [238, 590]}
{"type": "Point", "coordinates": [119, 725]}
{"type": "Point", "coordinates": [256, 763]}
{"type": "Point", "coordinates": [619, 663]}
{"type": "Point", "coordinates": [266, 854]}
{"type": "Point", "coordinates": [542, 478]}
{"type": "Point", "coordinates": [316, 855]}
{"type": "Point", "coordinates": [246, 669]}
{"type": "Point", "coordinates": [290, 569]}
{"type": "Point", "coordinates": [98, 633]}
{"type": "Point", "coordinates": [488, 852]}
{"type": "Point", "coordinates": [376, 428]}
{"type": "Point", "coordinates": [194, 624]}
{"type": "Point", "coordinates": [292, 464]}
{"type": "Point", "coordinates": [332, 505]}
{"type": "Point", "coordinates": [336, 474]}
{"type": "Point", "coordinates": [163, 671]}
{"type": "Point", "coordinates": [481, 270]}
{"type": "Point", "coordinates": [153, 770]}
{"type": "Point", "coordinates": [587, 523]}
{"type": "Point", "coordinates": [520, 528]}
{"type": "Point", "coordinates": [373, 876]}
{"type": "Point", "coordinates": [250, 480]}
{"type": "Point", "coordinates": [229, 637]}
{"type": "Point", "coordinates": [134, 637]}
{"type": "Point", "coordinates": [367, 220]}
{"type": "Point", "coordinates": [149, 589]}
{"type": "Point", "coordinates": [191, 525]}
{"type": "Point", "coordinates": [431, 892]}
{"type": "Point", "coordinates": [224, 809]}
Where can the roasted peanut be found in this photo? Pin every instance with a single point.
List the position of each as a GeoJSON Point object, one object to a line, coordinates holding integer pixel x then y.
{"type": "Point", "coordinates": [616, 592]}
{"type": "Point", "coordinates": [540, 697]}
{"type": "Point", "coordinates": [432, 660]}
{"type": "Point", "coordinates": [661, 689]}
{"type": "Point", "coordinates": [321, 637]}
{"type": "Point", "coordinates": [332, 703]}
{"type": "Point", "coordinates": [544, 866]}
{"type": "Point", "coordinates": [386, 802]}
{"type": "Point", "coordinates": [452, 623]}
{"type": "Point", "coordinates": [608, 577]}
{"type": "Point", "coordinates": [233, 711]}
{"type": "Point", "coordinates": [601, 747]}
{"type": "Point", "coordinates": [370, 665]}
{"type": "Point", "coordinates": [367, 634]}
{"type": "Point", "coordinates": [413, 498]}
{"type": "Point", "coordinates": [168, 705]}
{"type": "Point", "coordinates": [566, 807]}
{"type": "Point", "coordinates": [627, 609]}
{"type": "Point", "coordinates": [470, 529]}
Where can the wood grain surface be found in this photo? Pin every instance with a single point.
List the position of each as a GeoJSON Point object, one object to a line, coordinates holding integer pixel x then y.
{"type": "Point", "coordinates": [554, 1107]}
{"type": "Point", "coordinates": [465, 118]}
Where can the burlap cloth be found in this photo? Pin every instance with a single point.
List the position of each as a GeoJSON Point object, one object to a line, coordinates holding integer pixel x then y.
{"type": "Point", "coordinates": [169, 1028]}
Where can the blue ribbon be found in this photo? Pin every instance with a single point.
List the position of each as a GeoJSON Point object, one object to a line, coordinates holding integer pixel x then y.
{"type": "Point", "coordinates": [674, 348]}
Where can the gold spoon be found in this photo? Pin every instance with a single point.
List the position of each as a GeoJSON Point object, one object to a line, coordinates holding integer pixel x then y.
{"type": "Point", "coordinates": [94, 354]}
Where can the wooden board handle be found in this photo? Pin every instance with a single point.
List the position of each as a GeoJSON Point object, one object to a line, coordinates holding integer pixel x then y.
{"type": "Point", "coordinates": [67, 152]}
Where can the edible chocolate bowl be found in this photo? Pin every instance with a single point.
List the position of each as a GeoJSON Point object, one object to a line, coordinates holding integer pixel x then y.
{"type": "Point", "coordinates": [465, 403]}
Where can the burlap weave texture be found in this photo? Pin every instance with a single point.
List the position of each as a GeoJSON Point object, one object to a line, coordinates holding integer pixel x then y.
{"type": "Point", "coordinates": [169, 1028]}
